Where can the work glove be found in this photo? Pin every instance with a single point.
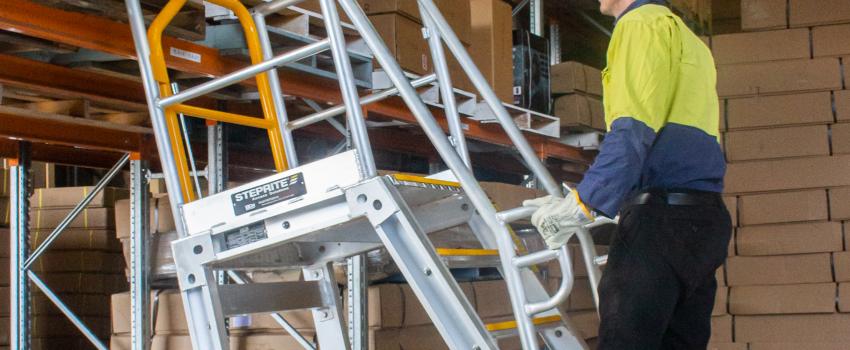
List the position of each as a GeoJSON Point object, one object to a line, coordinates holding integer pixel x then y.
{"type": "Point", "coordinates": [558, 218]}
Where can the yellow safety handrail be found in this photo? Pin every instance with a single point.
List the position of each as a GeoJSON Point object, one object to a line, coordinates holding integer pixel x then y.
{"type": "Point", "coordinates": [160, 72]}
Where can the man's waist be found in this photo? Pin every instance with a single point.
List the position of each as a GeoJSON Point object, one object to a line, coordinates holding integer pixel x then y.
{"type": "Point", "coordinates": [683, 197]}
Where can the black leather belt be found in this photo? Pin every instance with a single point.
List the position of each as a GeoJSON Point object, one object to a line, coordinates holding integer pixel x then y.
{"type": "Point", "coordinates": [675, 198]}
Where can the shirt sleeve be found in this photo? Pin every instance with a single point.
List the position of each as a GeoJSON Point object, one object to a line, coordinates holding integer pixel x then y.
{"type": "Point", "coordinates": [639, 83]}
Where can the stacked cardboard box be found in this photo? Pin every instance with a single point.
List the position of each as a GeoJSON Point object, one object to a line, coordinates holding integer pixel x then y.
{"type": "Point", "coordinates": [4, 197]}
{"type": "Point", "coordinates": [254, 332]}
{"type": "Point", "coordinates": [577, 91]}
{"type": "Point", "coordinates": [82, 266]}
{"type": "Point", "coordinates": [162, 230]}
{"type": "Point", "coordinates": [782, 90]}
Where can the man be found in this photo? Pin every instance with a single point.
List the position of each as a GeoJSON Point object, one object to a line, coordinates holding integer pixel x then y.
{"type": "Point", "coordinates": [661, 169]}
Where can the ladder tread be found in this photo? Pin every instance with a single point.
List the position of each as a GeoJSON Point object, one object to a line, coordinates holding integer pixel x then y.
{"type": "Point", "coordinates": [508, 325]}
{"type": "Point", "coordinates": [467, 252]}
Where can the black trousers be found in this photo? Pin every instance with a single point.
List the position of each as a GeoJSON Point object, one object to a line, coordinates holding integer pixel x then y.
{"type": "Point", "coordinates": [659, 286]}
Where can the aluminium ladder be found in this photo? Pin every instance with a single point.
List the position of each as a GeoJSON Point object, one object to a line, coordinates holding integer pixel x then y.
{"type": "Point", "coordinates": [310, 215]}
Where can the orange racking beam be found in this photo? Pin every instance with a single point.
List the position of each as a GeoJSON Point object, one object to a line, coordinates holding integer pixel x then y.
{"type": "Point", "coordinates": [105, 35]}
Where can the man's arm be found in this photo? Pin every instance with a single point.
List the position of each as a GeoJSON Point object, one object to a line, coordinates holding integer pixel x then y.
{"type": "Point", "coordinates": [640, 83]}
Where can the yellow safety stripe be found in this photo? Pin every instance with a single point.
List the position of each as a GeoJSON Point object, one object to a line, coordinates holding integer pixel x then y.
{"type": "Point", "coordinates": [425, 180]}
{"type": "Point", "coordinates": [501, 326]}
{"type": "Point", "coordinates": [467, 252]}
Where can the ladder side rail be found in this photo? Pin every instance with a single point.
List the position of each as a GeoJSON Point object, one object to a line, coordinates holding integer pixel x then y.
{"type": "Point", "coordinates": [351, 99]}
{"type": "Point", "coordinates": [456, 48]}
{"type": "Point", "coordinates": [453, 161]}
{"type": "Point", "coordinates": [444, 80]}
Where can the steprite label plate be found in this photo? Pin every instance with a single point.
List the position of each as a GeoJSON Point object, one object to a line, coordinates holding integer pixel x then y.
{"type": "Point", "coordinates": [269, 193]}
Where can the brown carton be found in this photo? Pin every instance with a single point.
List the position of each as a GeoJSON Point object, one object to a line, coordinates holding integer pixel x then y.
{"type": "Point", "coordinates": [793, 328]}
{"type": "Point", "coordinates": [796, 109]}
{"type": "Point", "coordinates": [586, 323]}
{"type": "Point", "coordinates": [84, 282]}
{"type": "Point", "coordinates": [257, 341]}
{"type": "Point", "coordinates": [580, 110]}
{"type": "Point", "coordinates": [492, 298]}
{"type": "Point", "coordinates": [161, 220]}
{"type": "Point", "coordinates": [761, 46]}
{"type": "Point", "coordinates": [404, 39]}
{"type": "Point", "coordinates": [796, 141]}
{"type": "Point", "coordinates": [799, 238]}
{"type": "Point", "coordinates": [299, 319]}
{"type": "Point", "coordinates": [507, 196]}
{"type": "Point", "coordinates": [78, 239]}
{"type": "Point", "coordinates": [809, 345]}
{"type": "Point", "coordinates": [581, 296]}
{"type": "Point", "coordinates": [844, 297]}
{"type": "Point", "coordinates": [721, 301]}
{"type": "Point", "coordinates": [842, 100]}
{"type": "Point", "coordinates": [804, 13]}
{"type": "Point", "coordinates": [492, 43]}
{"type": "Point", "coordinates": [721, 329]}
{"type": "Point", "coordinates": [831, 40]}
{"type": "Point", "coordinates": [727, 346]}
{"type": "Point", "coordinates": [841, 138]}
{"type": "Point", "coordinates": [4, 242]}
{"type": "Point", "coordinates": [788, 174]}
{"type": "Point", "coordinates": [763, 78]}
{"type": "Point", "coordinates": [783, 299]}
{"type": "Point", "coordinates": [90, 218]}
{"type": "Point", "coordinates": [79, 261]}
{"type": "Point", "coordinates": [414, 313]}
{"type": "Point", "coordinates": [783, 269]}
{"type": "Point", "coordinates": [69, 197]}
{"type": "Point", "coordinates": [763, 14]}
{"type": "Point", "coordinates": [571, 77]}
{"type": "Point", "coordinates": [385, 304]}
{"type": "Point", "coordinates": [170, 315]}
{"type": "Point", "coordinates": [5, 214]}
{"type": "Point", "coordinates": [82, 304]}
{"type": "Point", "coordinates": [456, 13]}
{"type": "Point", "coordinates": [841, 262]}
{"type": "Point", "coordinates": [732, 206]}
{"type": "Point", "coordinates": [839, 203]}
{"type": "Point", "coordinates": [770, 208]}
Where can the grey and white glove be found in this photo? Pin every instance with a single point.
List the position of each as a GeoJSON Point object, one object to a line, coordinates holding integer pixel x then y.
{"type": "Point", "coordinates": [557, 218]}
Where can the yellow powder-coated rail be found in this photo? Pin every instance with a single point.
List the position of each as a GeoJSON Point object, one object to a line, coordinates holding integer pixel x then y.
{"type": "Point", "coordinates": [503, 326]}
{"type": "Point", "coordinates": [269, 120]}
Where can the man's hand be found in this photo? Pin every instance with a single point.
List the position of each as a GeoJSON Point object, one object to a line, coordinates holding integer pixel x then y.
{"type": "Point", "coordinates": [556, 218]}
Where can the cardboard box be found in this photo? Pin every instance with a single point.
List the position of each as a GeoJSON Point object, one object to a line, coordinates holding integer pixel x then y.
{"type": "Point", "coordinates": [59, 327]}
{"type": "Point", "coordinates": [301, 320]}
{"type": "Point", "coordinates": [491, 44]}
{"type": "Point", "coordinates": [721, 302]}
{"type": "Point", "coordinates": [799, 238]}
{"type": "Point", "coordinates": [580, 110]}
{"type": "Point", "coordinates": [782, 269]}
{"type": "Point", "coordinates": [721, 329]}
{"type": "Point", "coordinates": [161, 257]}
{"type": "Point", "coordinates": [82, 304]}
{"type": "Point", "coordinates": [809, 345]}
{"type": "Point", "coordinates": [804, 13]}
{"type": "Point", "coordinates": [69, 197]}
{"type": "Point", "coordinates": [784, 299]}
{"type": "Point", "coordinates": [260, 341]}
{"type": "Point", "coordinates": [844, 297]}
{"type": "Point", "coordinates": [90, 218]}
{"type": "Point", "coordinates": [84, 282]}
{"type": "Point", "coordinates": [796, 141]}
{"type": "Point", "coordinates": [762, 78]}
{"type": "Point", "coordinates": [831, 40]}
{"type": "Point", "coordinates": [731, 203]}
{"type": "Point", "coordinates": [841, 262]}
{"type": "Point", "coordinates": [782, 207]}
{"type": "Point", "coordinates": [4, 242]}
{"type": "Point", "coordinates": [415, 314]}
{"type": "Point", "coordinates": [404, 39]}
{"type": "Point", "coordinates": [385, 303]}
{"type": "Point", "coordinates": [5, 214]}
{"type": "Point", "coordinates": [842, 101]}
{"type": "Point", "coordinates": [788, 174]}
{"type": "Point", "coordinates": [839, 203]}
{"type": "Point", "coordinates": [79, 261]}
{"type": "Point", "coordinates": [161, 219]}
{"type": "Point", "coordinates": [727, 346]}
{"type": "Point", "coordinates": [506, 196]}
{"type": "Point", "coordinates": [761, 46]}
{"type": "Point", "coordinates": [796, 109]}
{"type": "Point", "coordinates": [763, 14]}
{"type": "Point", "coordinates": [581, 296]}
{"type": "Point", "coordinates": [491, 298]}
{"type": "Point", "coordinates": [170, 314]}
{"type": "Point", "coordinates": [78, 239]}
{"type": "Point", "coordinates": [4, 187]}
{"type": "Point", "coordinates": [456, 13]}
{"type": "Point", "coordinates": [841, 138]}
{"type": "Point", "coordinates": [570, 77]}
{"type": "Point", "coordinates": [793, 328]}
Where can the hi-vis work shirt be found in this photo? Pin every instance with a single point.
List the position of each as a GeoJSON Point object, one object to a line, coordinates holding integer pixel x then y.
{"type": "Point", "coordinates": [661, 109]}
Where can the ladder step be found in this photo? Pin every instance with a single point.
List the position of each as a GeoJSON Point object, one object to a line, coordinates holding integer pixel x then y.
{"type": "Point", "coordinates": [510, 325]}
{"type": "Point", "coordinates": [467, 252]}
{"type": "Point", "coordinates": [410, 178]}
